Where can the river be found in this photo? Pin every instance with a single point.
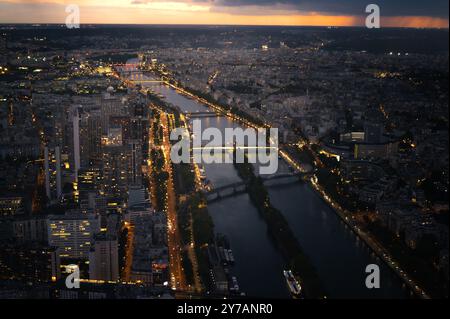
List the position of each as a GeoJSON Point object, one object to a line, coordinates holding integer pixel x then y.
{"type": "Point", "coordinates": [334, 250]}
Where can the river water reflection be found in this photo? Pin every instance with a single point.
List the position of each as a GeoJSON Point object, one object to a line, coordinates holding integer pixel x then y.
{"type": "Point", "coordinates": [338, 255]}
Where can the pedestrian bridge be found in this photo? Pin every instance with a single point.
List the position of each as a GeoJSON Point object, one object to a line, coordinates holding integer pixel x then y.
{"type": "Point", "coordinates": [238, 188]}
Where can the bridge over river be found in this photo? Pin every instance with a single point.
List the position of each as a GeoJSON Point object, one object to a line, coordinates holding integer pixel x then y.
{"type": "Point", "coordinates": [193, 115]}
{"type": "Point", "coordinates": [234, 189]}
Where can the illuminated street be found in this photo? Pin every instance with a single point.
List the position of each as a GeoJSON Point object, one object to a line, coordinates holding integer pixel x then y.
{"type": "Point", "coordinates": [175, 249]}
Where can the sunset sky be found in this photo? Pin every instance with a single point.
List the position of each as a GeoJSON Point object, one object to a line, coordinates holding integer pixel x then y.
{"type": "Point", "coordinates": [399, 13]}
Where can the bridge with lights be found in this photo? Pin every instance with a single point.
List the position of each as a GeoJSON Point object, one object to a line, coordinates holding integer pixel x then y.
{"type": "Point", "coordinates": [194, 115]}
{"type": "Point", "coordinates": [135, 74]}
{"type": "Point", "coordinates": [238, 188]}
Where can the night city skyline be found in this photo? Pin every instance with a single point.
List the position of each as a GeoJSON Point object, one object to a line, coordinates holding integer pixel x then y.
{"type": "Point", "coordinates": [224, 157]}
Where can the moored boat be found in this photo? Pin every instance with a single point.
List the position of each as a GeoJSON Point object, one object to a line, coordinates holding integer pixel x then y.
{"type": "Point", "coordinates": [294, 285]}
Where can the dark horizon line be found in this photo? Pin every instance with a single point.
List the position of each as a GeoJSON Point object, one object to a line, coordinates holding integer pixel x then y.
{"type": "Point", "coordinates": [214, 25]}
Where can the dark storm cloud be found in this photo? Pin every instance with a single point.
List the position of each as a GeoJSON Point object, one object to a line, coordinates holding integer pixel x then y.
{"type": "Point", "coordinates": [433, 8]}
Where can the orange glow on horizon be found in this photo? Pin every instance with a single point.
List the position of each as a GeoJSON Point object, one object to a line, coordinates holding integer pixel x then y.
{"type": "Point", "coordinates": [415, 22]}
{"type": "Point", "coordinates": [189, 12]}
